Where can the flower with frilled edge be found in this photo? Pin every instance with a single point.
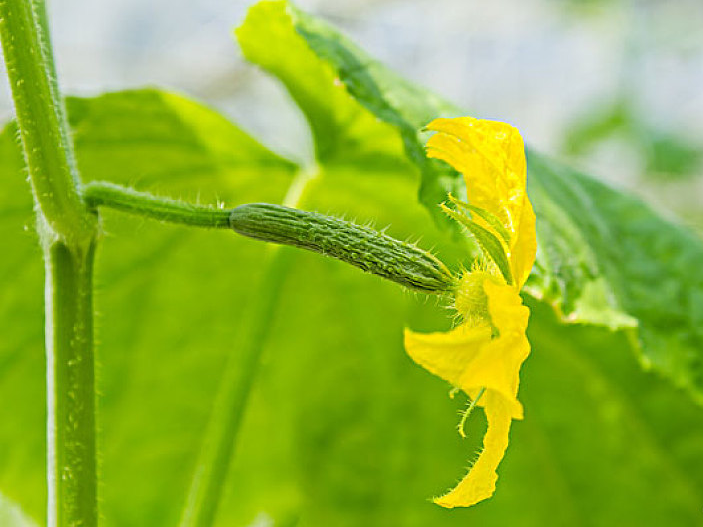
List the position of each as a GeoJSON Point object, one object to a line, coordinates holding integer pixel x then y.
{"type": "Point", "coordinates": [482, 355]}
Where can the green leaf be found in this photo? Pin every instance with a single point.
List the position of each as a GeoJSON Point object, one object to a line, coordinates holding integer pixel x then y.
{"type": "Point", "coordinates": [340, 125]}
{"type": "Point", "coordinates": [171, 137]}
{"type": "Point", "coordinates": [603, 257]}
{"type": "Point", "coordinates": [321, 68]}
{"type": "Point", "coordinates": [12, 516]}
{"type": "Point", "coordinates": [608, 258]}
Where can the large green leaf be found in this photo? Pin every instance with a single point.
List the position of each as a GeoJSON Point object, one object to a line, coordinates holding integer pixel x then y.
{"type": "Point", "coordinates": [603, 248]}
{"type": "Point", "coordinates": [603, 257]}
{"type": "Point", "coordinates": [343, 428]}
{"type": "Point", "coordinates": [341, 125]}
{"type": "Point", "coordinates": [163, 142]}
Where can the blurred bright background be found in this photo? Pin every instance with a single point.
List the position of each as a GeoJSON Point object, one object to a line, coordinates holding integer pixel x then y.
{"type": "Point", "coordinates": [613, 86]}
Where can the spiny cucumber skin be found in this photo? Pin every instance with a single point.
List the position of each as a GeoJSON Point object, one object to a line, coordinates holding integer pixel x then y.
{"type": "Point", "coordinates": [362, 247]}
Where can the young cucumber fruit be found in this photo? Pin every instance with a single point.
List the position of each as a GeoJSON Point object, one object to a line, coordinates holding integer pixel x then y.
{"type": "Point", "coordinates": [362, 247]}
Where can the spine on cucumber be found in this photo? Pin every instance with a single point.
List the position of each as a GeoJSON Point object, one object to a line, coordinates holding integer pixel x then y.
{"type": "Point", "coordinates": [362, 247]}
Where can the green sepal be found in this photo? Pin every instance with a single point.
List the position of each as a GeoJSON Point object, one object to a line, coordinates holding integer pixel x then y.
{"type": "Point", "coordinates": [487, 241]}
{"type": "Point", "coordinates": [489, 217]}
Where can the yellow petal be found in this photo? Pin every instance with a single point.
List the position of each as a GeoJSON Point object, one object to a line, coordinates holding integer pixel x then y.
{"type": "Point", "coordinates": [471, 359]}
{"type": "Point", "coordinates": [496, 366]}
{"type": "Point", "coordinates": [491, 156]}
{"type": "Point", "coordinates": [524, 247]}
{"type": "Point", "coordinates": [480, 482]}
{"type": "Point", "coordinates": [447, 355]}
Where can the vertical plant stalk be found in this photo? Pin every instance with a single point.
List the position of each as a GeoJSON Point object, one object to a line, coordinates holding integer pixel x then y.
{"type": "Point", "coordinates": [221, 435]}
{"type": "Point", "coordinates": [68, 233]}
{"type": "Point", "coordinates": [40, 116]}
{"type": "Point", "coordinates": [71, 451]}
{"type": "Point", "coordinates": [228, 411]}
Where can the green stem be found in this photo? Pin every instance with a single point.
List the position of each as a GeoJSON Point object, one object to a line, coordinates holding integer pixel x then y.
{"type": "Point", "coordinates": [230, 404]}
{"type": "Point", "coordinates": [68, 232]}
{"type": "Point", "coordinates": [134, 202]}
{"type": "Point", "coordinates": [43, 129]}
{"type": "Point", "coordinates": [467, 412]}
{"type": "Point", "coordinates": [362, 247]}
{"type": "Point", "coordinates": [71, 452]}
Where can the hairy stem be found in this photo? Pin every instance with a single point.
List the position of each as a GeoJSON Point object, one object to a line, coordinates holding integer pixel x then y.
{"type": "Point", "coordinates": [71, 452]}
{"type": "Point", "coordinates": [142, 203]}
{"type": "Point", "coordinates": [42, 125]}
{"type": "Point", "coordinates": [362, 247]}
{"type": "Point", "coordinates": [68, 232]}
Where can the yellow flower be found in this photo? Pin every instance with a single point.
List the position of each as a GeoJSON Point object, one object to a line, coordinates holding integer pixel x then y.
{"type": "Point", "coordinates": [483, 354]}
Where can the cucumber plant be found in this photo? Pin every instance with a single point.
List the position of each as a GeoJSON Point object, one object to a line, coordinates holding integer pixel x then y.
{"type": "Point", "coordinates": [614, 292]}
